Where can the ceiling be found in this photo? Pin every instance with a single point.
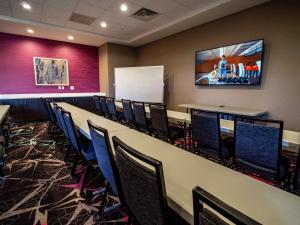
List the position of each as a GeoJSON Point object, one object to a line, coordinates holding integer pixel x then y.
{"type": "Point", "coordinates": [50, 18]}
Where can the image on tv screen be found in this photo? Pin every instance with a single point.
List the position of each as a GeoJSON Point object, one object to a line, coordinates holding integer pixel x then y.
{"type": "Point", "coordinates": [229, 65]}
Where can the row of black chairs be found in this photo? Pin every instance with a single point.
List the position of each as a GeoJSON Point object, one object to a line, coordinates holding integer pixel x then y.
{"type": "Point", "coordinates": [255, 147]}
{"type": "Point", "coordinates": [63, 127]}
{"type": "Point", "coordinates": [141, 190]}
{"type": "Point", "coordinates": [134, 115]}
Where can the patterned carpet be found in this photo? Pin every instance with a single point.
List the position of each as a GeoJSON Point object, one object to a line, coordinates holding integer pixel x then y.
{"type": "Point", "coordinates": [38, 188]}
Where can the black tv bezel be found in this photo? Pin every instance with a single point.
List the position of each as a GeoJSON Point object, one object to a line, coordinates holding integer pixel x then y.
{"type": "Point", "coordinates": [223, 46]}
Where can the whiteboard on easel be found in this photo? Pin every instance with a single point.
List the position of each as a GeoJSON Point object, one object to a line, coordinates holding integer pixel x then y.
{"type": "Point", "coordinates": [143, 83]}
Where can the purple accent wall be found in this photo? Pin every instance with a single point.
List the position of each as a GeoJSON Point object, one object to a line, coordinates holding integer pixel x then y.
{"type": "Point", "coordinates": [17, 70]}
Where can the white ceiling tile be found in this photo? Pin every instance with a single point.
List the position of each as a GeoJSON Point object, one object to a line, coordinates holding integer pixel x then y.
{"type": "Point", "coordinates": [36, 8]}
{"type": "Point", "coordinates": [88, 10]}
{"type": "Point", "coordinates": [5, 11]}
{"type": "Point", "coordinates": [4, 4]}
{"type": "Point", "coordinates": [178, 11]}
{"type": "Point", "coordinates": [132, 7]}
{"type": "Point", "coordinates": [77, 26]}
{"type": "Point", "coordinates": [62, 4]}
{"type": "Point", "coordinates": [198, 4]}
{"type": "Point", "coordinates": [140, 2]}
{"type": "Point", "coordinates": [161, 20]}
{"type": "Point", "coordinates": [57, 13]}
{"type": "Point", "coordinates": [54, 21]}
{"type": "Point", "coordinates": [161, 6]}
{"type": "Point", "coordinates": [25, 15]}
{"type": "Point", "coordinates": [104, 4]}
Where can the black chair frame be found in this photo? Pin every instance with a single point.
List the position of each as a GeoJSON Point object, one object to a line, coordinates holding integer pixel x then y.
{"type": "Point", "coordinates": [157, 133]}
{"type": "Point", "coordinates": [149, 160]}
{"type": "Point", "coordinates": [136, 124]}
{"type": "Point", "coordinates": [218, 124]}
{"type": "Point", "coordinates": [128, 122]}
{"type": "Point", "coordinates": [102, 210]}
{"type": "Point", "coordinates": [201, 196]}
{"type": "Point", "coordinates": [253, 120]}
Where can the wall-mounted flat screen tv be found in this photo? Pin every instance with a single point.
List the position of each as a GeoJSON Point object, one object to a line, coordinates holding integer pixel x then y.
{"type": "Point", "coordinates": [239, 64]}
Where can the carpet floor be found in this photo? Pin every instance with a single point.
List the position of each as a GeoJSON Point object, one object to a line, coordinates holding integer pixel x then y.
{"type": "Point", "coordinates": [38, 188]}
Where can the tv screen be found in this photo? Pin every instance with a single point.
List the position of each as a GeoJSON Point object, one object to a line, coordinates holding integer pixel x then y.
{"type": "Point", "coordinates": [239, 64]}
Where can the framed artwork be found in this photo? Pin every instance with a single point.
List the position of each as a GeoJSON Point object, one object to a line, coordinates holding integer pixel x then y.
{"type": "Point", "coordinates": [49, 71]}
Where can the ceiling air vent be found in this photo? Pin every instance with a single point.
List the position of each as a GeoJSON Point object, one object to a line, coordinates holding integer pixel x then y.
{"type": "Point", "coordinates": [82, 19]}
{"type": "Point", "coordinates": [145, 14]}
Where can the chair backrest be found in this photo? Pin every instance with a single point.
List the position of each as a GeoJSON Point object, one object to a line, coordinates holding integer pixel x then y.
{"type": "Point", "coordinates": [258, 145]}
{"type": "Point", "coordinates": [205, 216]}
{"type": "Point", "coordinates": [296, 181]}
{"type": "Point", "coordinates": [55, 110]}
{"type": "Point", "coordinates": [103, 106]}
{"type": "Point", "coordinates": [104, 154]}
{"type": "Point", "coordinates": [159, 119]}
{"type": "Point", "coordinates": [127, 110]}
{"type": "Point", "coordinates": [140, 114]}
{"type": "Point", "coordinates": [50, 110]}
{"type": "Point", "coordinates": [143, 189]}
{"type": "Point", "coordinates": [63, 124]}
{"type": "Point", "coordinates": [71, 128]}
{"type": "Point", "coordinates": [206, 129]}
{"type": "Point", "coordinates": [111, 107]}
{"type": "Point", "coordinates": [45, 107]}
{"type": "Point", "coordinates": [97, 104]}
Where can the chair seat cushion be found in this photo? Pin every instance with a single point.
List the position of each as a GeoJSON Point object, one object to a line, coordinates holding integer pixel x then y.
{"type": "Point", "coordinates": [267, 173]}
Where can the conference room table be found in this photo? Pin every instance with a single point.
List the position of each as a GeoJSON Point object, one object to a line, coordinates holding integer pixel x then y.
{"type": "Point", "coordinates": [290, 139]}
{"type": "Point", "coordinates": [226, 109]}
{"type": "Point", "coordinates": [3, 111]}
{"type": "Point", "coordinates": [80, 117]}
{"type": "Point", "coordinates": [184, 170]}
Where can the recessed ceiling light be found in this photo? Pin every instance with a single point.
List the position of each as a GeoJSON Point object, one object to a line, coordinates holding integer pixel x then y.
{"type": "Point", "coordinates": [30, 31]}
{"type": "Point", "coordinates": [103, 24]}
{"type": "Point", "coordinates": [124, 7]}
{"type": "Point", "coordinates": [25, 5]}
{"type": "Point", "coordinates": [70, 37]}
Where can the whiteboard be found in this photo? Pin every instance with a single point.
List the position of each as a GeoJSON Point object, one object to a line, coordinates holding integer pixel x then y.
{"type": "Point", "coordinates": [140, 83]}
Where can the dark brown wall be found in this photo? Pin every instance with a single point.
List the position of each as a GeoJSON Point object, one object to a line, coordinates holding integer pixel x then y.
{"type": "Point", "coordinates": [278, 22]}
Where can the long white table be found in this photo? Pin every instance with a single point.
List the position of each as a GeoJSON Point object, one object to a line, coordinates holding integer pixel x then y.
{"type": "Point", "coordinates": [290, 139]}
{"type": "Point", "coordinates": [183, 171]}
{"type": "Point", "coordinates": [81, 116]}
{"type": "Point", "coordinates": [226, 109]}
{"type": "Point", "coordinates": [3, 111]}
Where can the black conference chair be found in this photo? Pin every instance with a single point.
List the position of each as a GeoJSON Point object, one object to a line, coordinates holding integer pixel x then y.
{"type": "Point", "coordinates": [160, 124]}
{"type": "Point", "coordinates": [96, 100]}
{"type": "Point", "coordinates": [82, 147]}
{"type": "Point", "coordinates": [103, 106]}
{"type": "Point", "coordinates": [112, 111]}
{"type": "Point", "coordinates": [52, 125]}
{"type": "Point", "coordinates": [206, 134]}
{"type": "Point", "coordinates": [296, 180]}
{"type": "Point", "coordinates": [141, 122]}
{"type": "Point", "coordinates": [205, 216]}
{"type": "Point", "coordinates": [128, 112]}
{"type": "Point", "coordinates": [142, 188]}
{"type": "Point", "coordinates": [258, 145]}
{"type": "Point", "coordinates": [106, 163]}
{"type": "Point", "coordinates": [62, 127]}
